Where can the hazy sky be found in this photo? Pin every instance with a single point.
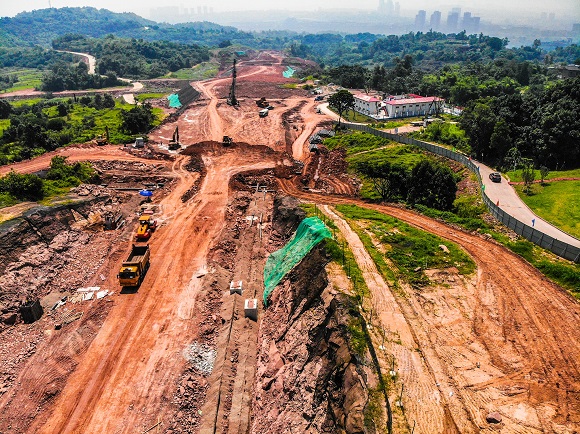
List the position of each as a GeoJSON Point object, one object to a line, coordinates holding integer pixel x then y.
{"type": "Point", "coordinates": [563, 8]}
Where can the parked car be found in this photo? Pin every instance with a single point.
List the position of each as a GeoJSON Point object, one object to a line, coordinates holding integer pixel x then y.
{"type": "Point", "coordinates": [495, 177]}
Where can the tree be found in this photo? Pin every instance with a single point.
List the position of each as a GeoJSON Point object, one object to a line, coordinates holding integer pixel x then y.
{"type": "Point", "coordinates": [512, 158]}
{"type": "Point", "coordinates": [22, 186]}
{"type": "Point", "coordinates": [478, 121]}
{"type": "Point", "coordinates": [389, 181]}
{"type": "Point", "coordinates": [341, 101]}
{"type": "Point", "coordinates": [544, 172]}
{"type": "Point", "coordinates": [5, 109]}
{"type": "Point", "coordinates": [528, 174]}
{"type": "Point", "coordinates": [139, 119]}
{"type": "Point", "coordinates": [433, 185]}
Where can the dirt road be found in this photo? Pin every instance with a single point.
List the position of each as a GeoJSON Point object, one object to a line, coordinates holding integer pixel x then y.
{"type": "Point", "coordinates": [509, 341]}
{"type": "Point", "coordinates": [506, 339]}
{"type": "Point", "coordinates": [73, 154]}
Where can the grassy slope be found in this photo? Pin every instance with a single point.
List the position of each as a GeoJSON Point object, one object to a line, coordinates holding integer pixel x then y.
{"type": "Point", "coordinates": [409, 249]}
{"type": "Point", "coordinates": [556, 202]}
{"type": "Point", "coordinates": [516, 176]}
{"type": "Point", "coordinates": [28, 78]}
{"type": "Point", "coordinates": [202, 71]}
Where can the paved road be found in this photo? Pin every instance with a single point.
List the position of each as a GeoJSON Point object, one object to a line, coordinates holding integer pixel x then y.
{"type": "Point", "coordinates": [510, 202]}
{"type": "Point", "coordinates": [505, 195]}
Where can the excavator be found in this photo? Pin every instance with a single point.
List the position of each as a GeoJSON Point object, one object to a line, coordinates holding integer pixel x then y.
{"type": "Point", "coordinates": [103, 140]}
{"type": "Point", "coordinates": [174, 142]}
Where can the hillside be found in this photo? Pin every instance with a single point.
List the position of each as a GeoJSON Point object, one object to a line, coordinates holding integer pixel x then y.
{"type": "Point", "coordinates": [41, 26]}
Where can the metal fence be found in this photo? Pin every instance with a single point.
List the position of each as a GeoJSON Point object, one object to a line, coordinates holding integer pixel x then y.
{"type": "Point", "coordinates": [560, 248]}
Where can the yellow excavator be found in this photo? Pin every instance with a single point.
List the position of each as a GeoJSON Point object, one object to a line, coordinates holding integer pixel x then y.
{"type": "Point", "coordinates": [102, 140]}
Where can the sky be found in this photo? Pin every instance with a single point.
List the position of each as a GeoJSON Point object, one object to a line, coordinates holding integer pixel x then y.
{"type": "Point", "coordinates": [563, 8]}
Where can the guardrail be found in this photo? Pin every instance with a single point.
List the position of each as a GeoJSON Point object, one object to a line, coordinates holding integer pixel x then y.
{"type": "Point", "coordinates": [560, 248]}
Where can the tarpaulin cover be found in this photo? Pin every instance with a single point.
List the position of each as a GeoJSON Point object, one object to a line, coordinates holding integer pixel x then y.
{"type": "Point", "coordinates": [310, 232]}
{"type": "Point", "coordinates": [288, 73]}
{"type": "Point", "coordinates": [174, 101]}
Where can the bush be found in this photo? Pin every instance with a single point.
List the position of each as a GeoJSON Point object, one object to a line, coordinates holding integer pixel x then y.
{"type": "Point", "coordinates": [22, 186]}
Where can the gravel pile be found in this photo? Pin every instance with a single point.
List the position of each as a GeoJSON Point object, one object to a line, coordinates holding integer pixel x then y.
{"type": "Point", "coordinates": [201, 356]}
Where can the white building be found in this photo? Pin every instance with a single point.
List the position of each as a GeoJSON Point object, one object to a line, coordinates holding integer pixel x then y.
{"type": "Point", "coordinates": [395, 107]}
{"type": "Point", "coordinates": [367, 104]}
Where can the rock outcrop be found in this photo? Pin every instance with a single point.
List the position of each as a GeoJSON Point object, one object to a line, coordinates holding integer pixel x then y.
{"type": "Point", "coordinates": [308, 379]}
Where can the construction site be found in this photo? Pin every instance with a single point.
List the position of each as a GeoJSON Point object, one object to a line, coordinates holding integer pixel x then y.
{"type": "Point", "coordinates": [158, 301]}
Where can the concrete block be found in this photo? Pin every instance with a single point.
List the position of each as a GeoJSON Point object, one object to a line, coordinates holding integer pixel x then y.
{"type": "Point", "coordinates": [251, 308]}
{"type": "Point", "coordinates": [236, 287]}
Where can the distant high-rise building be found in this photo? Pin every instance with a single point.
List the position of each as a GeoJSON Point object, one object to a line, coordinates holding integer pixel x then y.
{"type": "Point", "coordinates": [452, 21]}
{"type": "Point", "coordinates": [466, 23]}
{"type": "Point", "coordinates": [397, 9]}
{"type": "Point", "coordinates": [390, 7]}
{"type": "Point", "coordinates": [456, 11]}
{"type": "Point", "coordinates": [470, 23]}
{"type": "Point", "coordinates": [199, 10]}
{"type": "Point", "coordinates": [435, 22]}
{"type": "Point", "coordinates": [475, 24]}
{"type": "Point", "coordinates": [576, 28]}
{"type": "Point", "coordinates": [382, 7]}
{"type": "Point", "coordinates": [205, 10]}
{"type": "Point", "coordinates": [420, 19]}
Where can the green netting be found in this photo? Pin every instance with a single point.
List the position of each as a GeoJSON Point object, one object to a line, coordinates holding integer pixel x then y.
{"type": "Point", "coordinates": [288, 73]}
{"type": "Point", "coordinates": [310, 232]}
{"type": "Point", "coordinates": [174, 101]}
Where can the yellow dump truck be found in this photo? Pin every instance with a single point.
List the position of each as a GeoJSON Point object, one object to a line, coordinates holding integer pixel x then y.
{"type": "Point", "coordinates": [134, 268]}
{"type": "Point", "coordinates": [146, 226]}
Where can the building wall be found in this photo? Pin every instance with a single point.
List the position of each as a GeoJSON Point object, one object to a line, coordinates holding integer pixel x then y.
{"type": "Point", "coordinates": [407, 110]}
{"type": "Point", "coordinates": [367, 108]}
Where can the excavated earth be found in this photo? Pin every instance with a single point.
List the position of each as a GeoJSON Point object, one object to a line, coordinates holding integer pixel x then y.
{"type": "Point", "coordinates": [494, 352]}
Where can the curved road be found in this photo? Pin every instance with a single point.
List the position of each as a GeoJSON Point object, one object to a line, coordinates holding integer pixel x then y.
{"type": "Point", "coordinates": [503, 195]}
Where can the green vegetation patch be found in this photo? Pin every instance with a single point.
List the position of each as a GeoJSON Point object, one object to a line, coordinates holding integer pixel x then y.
{"type": "Point", "coordinates": [60, 178]}
{"type": "Point", "coordinates": [356, 142]}
{"type": "Point", "coordinates": [516, 176]}
{"type": "Point", "coordinates": [21, 79]}
{"type": "Point", "coordinates": [390, 124]}
{"type": "Point", "coordinates": [446, 133]}
{"type": "Point", "coordinates": [141, 97]}
{"type": "Point", "coordinates": [203, 71]}
{"type": "Point", "coordinates": [409, 249]}
{"type": "Point", "coordinates": [405, 155]}
{"type": "Point", "coordinates": [557, 202]}
{"type": "Point", "coordinates": [37, 127]}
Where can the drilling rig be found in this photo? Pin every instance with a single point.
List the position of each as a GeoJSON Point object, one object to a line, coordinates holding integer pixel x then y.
{"type": "Point", "coordinates": [232, 100]}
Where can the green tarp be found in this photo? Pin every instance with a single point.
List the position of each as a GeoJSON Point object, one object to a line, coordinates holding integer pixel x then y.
{"type": "Point", "coordinates": [310, 232]}
{"type": "Point", "coordinates": [174, 101]}
{"type": "Point", "coordinates": [288, 73]}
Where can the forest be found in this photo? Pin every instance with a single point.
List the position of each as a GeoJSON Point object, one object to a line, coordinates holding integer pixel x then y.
{"type": "Point", "coordinates": [49, 124]}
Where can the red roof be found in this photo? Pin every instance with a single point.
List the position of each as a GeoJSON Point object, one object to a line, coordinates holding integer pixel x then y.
{"type": "Point", "coordinates": [419, 100]}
